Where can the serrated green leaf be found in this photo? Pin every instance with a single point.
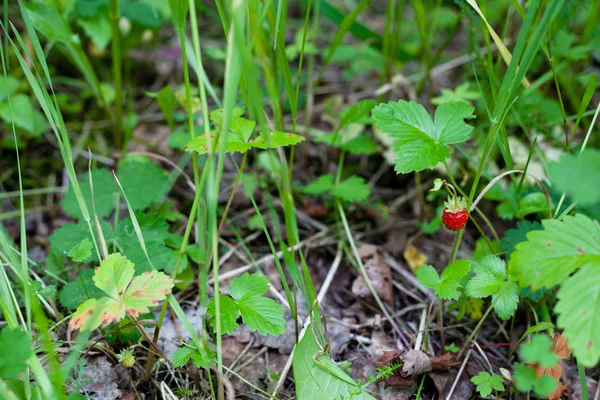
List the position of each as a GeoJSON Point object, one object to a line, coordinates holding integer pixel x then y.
{"type": "Point", "coordinates": [506, 302]}
{"type": "Point", "coordinates": [420, 142]}
{"type": "Point", "coordinates": [81, 251]}
{"type": "Point", "coordinates": [489, 279]}
{"type": "Point", "coordinates": [274, 139]}
{"type": "Point", "coordinates": [248, 286]}
{"type": "Point", "coordinates": [446, 286]}
{"type": "Point", "coordinates": [512, 237]}
{"type": "Point", "coordinates": [229, 313]}
{"type": "Point", "coordinates": [575, 174]}
{"type": "Point", "coordinates": [549, 256]}
{"type": "Point", "coordinates": [352, 189]}
{"type": "Point", "coordinates": [318, 383]}
{"type": "Point", "coordinates": [263, 315]}
{"type": "Point", "coordinates": [104, 194]}
{"type": "Point", "coordinates": [81, 289]}
{"type": "Point", "coordinates": [486, 383]}
{"type": "Point", "coordinates": [16, 349]}
{"type": "Point", "coordinates": [181, 356]}
{"type": "Point", "coordinates": [539, 350]}
{"type": "Point", "coordinates": [461, 93]}
{"type": "Point", "coordinates": [144, 183]}
{"type": "Point", "coordinates": [125, 295]}
{"type": "Point", "coordinates": [322, 185]}
{"type": "Point", "coordinates": [578, 313]}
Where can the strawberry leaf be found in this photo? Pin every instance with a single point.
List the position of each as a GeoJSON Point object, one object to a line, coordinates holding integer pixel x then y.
{"type": "Point", "coordinates": [81, 251]}
{"type": "Point", "coordinates": [104, 194]}
{"type": "Point", "coordinates": [263, 315]}
{"type": "Point", "coordinates": [486, 383]}
{"type": "Point", "coordinates": [539, 350]}
{"type": "Point", "coordinates": [446, 286]}
{"type": "Point", "coordinates": [248, 286]}
{"type": "Point", "coordinates": [144, 183]}
{"type": "Point", "coordinates": [420, 141]}
{"type": "Point", "coordinates": [352, 189]}
{"type": "Point", "coordinates": [490, 280]}
{"type": "Point", "coordinates": [229, 312]}
{"type": "Point", "coordinates": [573, 173]}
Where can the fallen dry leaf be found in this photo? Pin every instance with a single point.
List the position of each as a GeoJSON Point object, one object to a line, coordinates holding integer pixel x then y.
{"type": "Point", "coordinates": [414, 258]}
{"type": "Point", "coordinates": [378, 272]}
{"type": "Point", "coordinates": [560, 347]}
{"type": "Point", "coordinates": [415, 362]}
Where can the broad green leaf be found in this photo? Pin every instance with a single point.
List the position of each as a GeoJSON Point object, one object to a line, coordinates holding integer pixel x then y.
{"type": "Point", "coordinates": [420, 141]}
{"type": "Point", "coordinates": [104, 194]}
{"type": "Point", "coordinates": [274, 139]}
{"type": "Point", "coordinates": [263, 315]}
{"type": "Point", "coordinates": [578, 313]}
{"type": "Point", "coordinates": [356, 112]}
{"type": "Point", "coordinates": [144, 183]}
{"type": "Point", "coordinates": [539, 350]}
{"type": "Point", "coordinates": [248, 286]}
{"type": "Point", "coordinates": [446, 286]}
{"type": "Point", "coordinates": [549, 256]}
{"type": "Point", "coordinates": [352, 189]}
{"type": "Point", "coordinates": [69, 235]}
{"type": "Point", "coordinates": [145, 291]}
{"type": "Point", "coordinates": [167, 104]}
{"type": "Point", "coordinates": [50, 23]}
{"type": "Point", "coordinates": [114, 274]}
{"type": "Point", "coordinates": [81, 289]}
{"type": "Point", "coordinates": [315, 382]}
{"type": "Point", "coordinates": [322, 185]}
{"type": "Point", "coordinates": [486, 383]}
{"type": "Point", "coordinates": [229, 312]}
{"type": "Point", "coordinates": [8, 87]}
{"type": "Point", "coordinates": [525, 380]}
{"type": "Point", "coordinates": [81, 251]}
{"type": "Point", "coordinates": [98, 29]}
{"type": "Point", "coordinates": [577, 175]}
{"type": "Point", "coordinates": [16, 349]}
{"type": "Point", "coordinates": [362, 144]}
{"type": "Point", "coordinates": [182, 355]}
{"type": "Point", "coordinates": [512, 237]}
{"type": "Point", "coordinates": [24, 115]}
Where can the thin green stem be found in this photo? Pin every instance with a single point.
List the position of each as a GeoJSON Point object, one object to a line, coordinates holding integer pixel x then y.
{"type": "Point", "coordinates": [116, 53]}
{"type": "Point", "coordinates": [582, 381]}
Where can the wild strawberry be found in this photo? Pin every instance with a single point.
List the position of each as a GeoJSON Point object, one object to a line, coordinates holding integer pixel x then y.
{"type": "Point", "coordinates": [455, 215]}
{"type": "Point", "coordinates": [126, 357]}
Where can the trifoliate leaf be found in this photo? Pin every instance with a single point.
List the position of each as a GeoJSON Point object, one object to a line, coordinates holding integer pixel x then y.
{"type": "Point", "coordinates": [420, 141]}
{"type": "Point", "coordinates": [526, 380]}
{"type": "Point", "coordinates": [549, 256]}
{"type": "Point", "coordinates": [69, 235]}
{"type": "Point", "coordinates": [361, 144]}
{"type": "Point", "coordinates": [81, 289]}
{"type": "Point", "coordinates": [125, 295]}
{"type": "Point", "coordinates": [352, 189]}
{"type": "Point", "coordinates": [248, 286]}
{"type": "Point", "coordinates": [506, 301]}
{"type": "Point", "coordinates": [104, 194]}
{"type": "Point", "coordinates": [486, 383]}
{"type": "Point", "coordinates": [143, 182]}
{"type": "Point", "coordinates": [16, 349]}
{"type": "Point", "coordinates": [81, 251]}
{"type": "Point", "coordinates": [229, 312]}
{"type": "Point", "coordinates": [446, 286]}
{"type": "Point", "coordinates": [356, 112]}
{"type": "Point", "coordinates": [539, 350]}
{"type": "Point", "coordinates": [263, 315]}
{"type": "Point", "coordinates": [578, 315]}
{"type": "Point", "coordinates": [575, 175]}
{"type": "Point", "coordinates": [323, 184]}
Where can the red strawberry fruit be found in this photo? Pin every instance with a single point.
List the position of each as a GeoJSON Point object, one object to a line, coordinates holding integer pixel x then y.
{"type": "Point", "coordinates": [455, 215]}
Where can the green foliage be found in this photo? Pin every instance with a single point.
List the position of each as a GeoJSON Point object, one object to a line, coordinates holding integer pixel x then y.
{"type": "Point", "coordinates": [124, 293]}
{"type": "Point", "coordinates": [183, 355]}
{"type": "Point", "coordinates": [319, 378]}
{"type": "Point", "coordinates": [512, 237]}
{"type": "Point", "coordinates": [526, 380]}
{"type": "Point", "coordinates": [104, 194]}
{"type": "Point", "coordinates": [69, 235]}
{"type": "Point", "coordinates": [352, 189]}
{"type": "Point", "coordinates": [462, 93]}
{"type": "Point", "coordinates": [490, 280]}
{"type": "Point", "coordinates": [261, 314]}
{"type": "Point", "coordinates": [539, 350]}
{"type": "Point", "coordinates": [548, 258]}
{"type": "Point", "coordinates": [576, 174]}
{"type": "Point", "coordinates": [76, 292]}
{"type": "Point", "coordinates": [446, 286]}
{"type": "Point", "coordinates": [16, 349]}
{"type": "Point", "coordinates": [22, 113]}
{"type": "Point", "coordinates": [486, 383]}
{"type": "Point", "coordinates": [81, 251]}
{"type": "Point", "coordinates": [144, 183]}
{"type": "Point", "coordinates": [422, 142]}
{"type": "Point", "coordinates": [141, 13]}
{"type": "Point", "coordinates": [356, 113]}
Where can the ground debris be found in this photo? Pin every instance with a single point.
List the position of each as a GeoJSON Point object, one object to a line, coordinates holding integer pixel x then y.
{"type": "Point", "coordinates": [378, 272]}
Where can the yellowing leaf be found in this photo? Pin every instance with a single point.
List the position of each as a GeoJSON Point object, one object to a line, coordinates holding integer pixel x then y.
{"type": "Point", "coordinates": [414, 258]}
